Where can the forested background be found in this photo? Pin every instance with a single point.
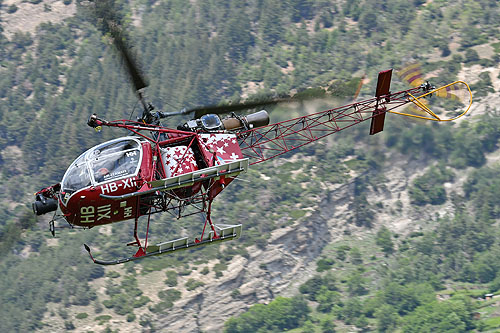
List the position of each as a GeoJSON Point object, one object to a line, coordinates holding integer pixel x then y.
{"type": "Point", "coordinates": [429, 277]}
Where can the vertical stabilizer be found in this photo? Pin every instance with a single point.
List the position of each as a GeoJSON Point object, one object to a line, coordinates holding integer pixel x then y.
{"type": "Point", "coordinates": [383, 87]}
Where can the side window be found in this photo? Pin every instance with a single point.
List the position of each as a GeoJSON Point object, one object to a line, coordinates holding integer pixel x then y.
{"type": "Point", "coordinates": [114, 161]}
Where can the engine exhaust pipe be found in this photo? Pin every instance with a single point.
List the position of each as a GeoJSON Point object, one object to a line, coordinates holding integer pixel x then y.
{"type": "Point", "coordinates": [254, 120]}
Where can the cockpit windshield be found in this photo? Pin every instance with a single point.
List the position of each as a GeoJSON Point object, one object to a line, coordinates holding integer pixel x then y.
{"type": "Point", "coordinates": [77, 176]}
{"type": "Point", "coordinates": [109, 161]}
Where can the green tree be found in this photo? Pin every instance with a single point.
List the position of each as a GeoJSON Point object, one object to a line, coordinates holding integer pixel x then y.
{"type": "Point", "coordinates": [387, 318]}
{"type": "Point", "coordinates": [455, 315]}
{"type": "Point", "coordinates": [302, 10]}
{"type": "Point", "coordinates": [429, 189]}
{"type": "Point", "coordinates": [282, 313]}
{"type": "Point", "coordinates": [327, 299]}
{"type": "Point", "coordinates": [327, 326]}
{"type": "Point", "coordinates": [384, 240]}
{"type": "Point", "coordinates": [356, 284]}
{"type": "Point", "coordinates": [312, 287]}
{"type": "Point", "coordinates": [352, 310]}
{"type": "Point", "coordinates": [341, 252]}
{"type": "Point", "coordinates": [355, 256]}
{"type": "Point", "coordinates": [271, 27]}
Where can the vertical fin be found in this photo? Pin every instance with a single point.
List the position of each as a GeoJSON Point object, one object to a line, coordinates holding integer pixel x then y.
{"type": "Point", "coordinates": [383, 87]}
{"type": "Point", "coordinates": [377, 124]}
{"type": "Point", "coordinates": [383, 83]}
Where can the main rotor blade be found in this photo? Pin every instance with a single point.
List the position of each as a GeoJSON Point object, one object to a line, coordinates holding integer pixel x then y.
{"type": "Point", "coordinates": [110, 24]}
{"type": "Point", "coordinates": [138, 80]}
{"type": "Point", "coordinates": [339, 90]}
{"type": "Point", "coordinates": [220, 109]}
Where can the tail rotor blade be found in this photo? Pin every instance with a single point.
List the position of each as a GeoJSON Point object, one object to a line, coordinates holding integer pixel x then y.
{"type": "Point", "coordinates": [412, 73]}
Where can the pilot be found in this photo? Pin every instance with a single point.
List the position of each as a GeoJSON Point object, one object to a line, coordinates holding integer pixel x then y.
{"type": "Point", "coordinates": [101, 174]}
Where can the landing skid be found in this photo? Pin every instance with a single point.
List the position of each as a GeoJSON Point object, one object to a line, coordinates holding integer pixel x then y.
{"type": "Point", "coordinates": [224, 233]}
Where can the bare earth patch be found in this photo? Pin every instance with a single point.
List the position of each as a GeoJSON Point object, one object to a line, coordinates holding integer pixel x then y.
{"type": "Point", "coordinates": [28, 16]}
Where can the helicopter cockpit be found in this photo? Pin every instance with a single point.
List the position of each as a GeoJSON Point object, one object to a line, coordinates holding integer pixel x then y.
{"type": "Point", "coordinates": [109, 161]}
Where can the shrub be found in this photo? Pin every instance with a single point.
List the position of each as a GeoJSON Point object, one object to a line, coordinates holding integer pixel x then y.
{"type": "Point", "coordinates": [384, 240]}
{"type": "Point", "coordinates": [160, 307]}
{"type": "Point", "coordinates": [324, 264]}
{"type": "Point", "coordinates": [140, 301]}
{"type": "Point", "coordinates": [192, 284]}
{"type": "Point", "coordinates": [341, 252]}
{"type": "Point", "coordinates": [171, 280]}
{"type": "Point", "coordinates": [12, 9]}
{"type": "Point", "coordinates": [102, 318]}
{"type": "Point", "coordinates": [108, 303]}
{"type": "Point", "coordinates": [68, 325]}
{"type": "Point", "coordinates": [297, 213]}
{"type": "Point", "coordinates": [113, 274]}
{"type": "Point", "coordinates": [82, 315]}
{"type": "Point", "coordinates": [279, 315]}
{"type": "Point", "coordinates": [235, 293]}
{"type": "Point", "coordinates": [170, 295]}
{"type": "Point", "coordinates": [220, 267]}
{"type": "Point", "coordinates": [98, 307]}
{"type": "Point", "coordinates": [429, 189]}
{"type": "Point", "coordinates": [261, 243]}
{"type": "Point", "coordinates": [311, 288]}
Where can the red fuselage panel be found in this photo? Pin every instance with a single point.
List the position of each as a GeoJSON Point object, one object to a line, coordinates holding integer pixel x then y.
{"type": "Point", "coordinates": [87, 208]}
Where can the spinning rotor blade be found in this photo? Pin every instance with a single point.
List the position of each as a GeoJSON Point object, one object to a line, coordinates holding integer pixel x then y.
{"type": "Point", "coordinates": [109, 24]}
{"type": "Point", "coordinates": [358, 89]}
{"type": "Point", "coordinates": [450, 92]}
{"type": "Point", "coordinates": [138, 80]}
{"type": "Point", "coordinates": [221, 109]}
{"type": "Point", "coordinates": [412, 73]}
{"type": "Point", "coordinates": [342, 89]}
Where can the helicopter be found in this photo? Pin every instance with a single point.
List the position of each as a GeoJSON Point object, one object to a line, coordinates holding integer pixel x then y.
{"type": "Point", "coordinates": [181, 171]}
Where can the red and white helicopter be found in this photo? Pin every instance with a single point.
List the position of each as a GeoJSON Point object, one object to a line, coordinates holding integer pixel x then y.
{"type": "Point", "coordinates": [158, 169]}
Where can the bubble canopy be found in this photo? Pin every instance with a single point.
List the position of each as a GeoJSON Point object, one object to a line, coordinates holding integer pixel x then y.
{"type": "Point", "coordinates": [109, 161]}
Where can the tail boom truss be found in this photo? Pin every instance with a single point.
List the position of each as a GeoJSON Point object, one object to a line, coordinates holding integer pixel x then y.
{"type": "Point", "coordinates": [264, 143]}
